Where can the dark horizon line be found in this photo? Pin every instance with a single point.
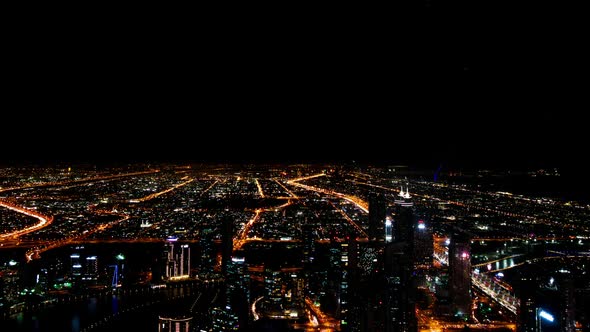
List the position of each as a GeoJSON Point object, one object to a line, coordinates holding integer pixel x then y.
{"type": "Point", "coordinates": [362, 162]}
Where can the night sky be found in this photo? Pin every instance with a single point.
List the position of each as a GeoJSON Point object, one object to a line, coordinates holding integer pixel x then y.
{"type": "Point", "coordinates": [457, 86]}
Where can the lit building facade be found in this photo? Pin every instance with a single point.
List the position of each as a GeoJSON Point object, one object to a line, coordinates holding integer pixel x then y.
{"type": "Point", "coordinates": [460, 275]}
{"type": "Point", "coordinates": [377, 213]}
{"type": "Point", "coordinates": [178, 260]}
{"type": "Point", "coordinates": [91, 269]}
{"type": "Point", "coordinates": [423, 244]}
{"type": "Point", "coordinates": [174, 324]}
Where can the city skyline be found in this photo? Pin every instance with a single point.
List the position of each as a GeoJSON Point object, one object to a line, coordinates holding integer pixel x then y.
{"type": "Point", "coordinates": [286, 248]}
{"type": "Point", "coordinates": [329, 171]}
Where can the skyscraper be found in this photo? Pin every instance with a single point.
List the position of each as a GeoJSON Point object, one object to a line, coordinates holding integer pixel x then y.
{"type": "Point", "coordinates": [423, 244]}
{"type": "Point", "coordinates": [225, 311]}
{"type": "Point", "coordinates": [76, 265]}
{"type": "Point", "coordinates": [309, 237]}
{"type": "Point", "coordinates": [377, 213]}
{"type": "Point", "coordinates": [178, 260]}
{"type": "Point", "coordinates": [460, 274]}
{"type": "Point", "coordinates": [404, 218]}
{"type": "Point", "coordinates": [568, 310]}
{"type": "Point", "coordinates": [399, 305]}
{"type": "Point", "coordinates": [91, 273]}
{"type": "Point", "coordinates": [227, 244]}
{"type": "Point", "coordinates": [527, 314]}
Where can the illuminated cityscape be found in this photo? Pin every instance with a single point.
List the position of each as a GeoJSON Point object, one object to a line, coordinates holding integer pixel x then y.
{"type": "Point", "coordinates": [323, 168]}
{"type": "Point", "coordinates": [302, 247]}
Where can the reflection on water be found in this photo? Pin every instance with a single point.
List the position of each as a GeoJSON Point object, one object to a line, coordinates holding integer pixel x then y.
{"type": "Point", "coordinates": [115, 304]}
{"type": "Point", "coordinates": [77, 316]}
{"type": "Point", "coordinates": [75, 323]}
{"type": "Point", "coordinates": [92, 306]}
{"type": "Point", "coordinates": [503, 264]}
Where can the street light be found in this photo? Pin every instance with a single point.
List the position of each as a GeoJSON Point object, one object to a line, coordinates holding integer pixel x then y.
{"type": "Point", "coordinates": [545, 315]}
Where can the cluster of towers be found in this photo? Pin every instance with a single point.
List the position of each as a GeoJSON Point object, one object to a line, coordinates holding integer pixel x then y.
{"type": "Point", "coordinates": [400, 243]}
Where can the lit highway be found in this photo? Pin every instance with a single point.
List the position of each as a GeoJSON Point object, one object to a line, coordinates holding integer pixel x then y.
{"type": "Point", "coordinates": [240, 239]}
{"type": "Point", "coordinates": [324, 322]}
{"type": "Point", "coordinates": [79, 181]}
{"type": "Point", "coordinates": [260, 192]}
{"type": "Point", "coordinates": [286, 189]}
{"type": "Point", "coordinates": [355, 200]}
{"type": "Point", "coordinates": [158, 194]}
{"type": "Point", "coordinates": [44, 220]}
{"type": "Point", "coordinates": [210, 187]}
{"type": "Point", "coordinates": [356, 226]}
{"type": "Point", "coordinates": [35, 253]}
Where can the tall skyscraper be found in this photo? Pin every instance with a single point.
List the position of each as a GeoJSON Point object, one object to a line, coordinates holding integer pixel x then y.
{"type": "Point", "coordinates": [460, 274]}
{"type": "Point", "coordinates": [91, 273]}
{"type": "Point", "coordinates": [343, 294]}
{"type": "Point", "coordinates": [527, 314]}
{"type": "Point", "coordinates": [76, 265]}
{"type": "Point", "coordinates": [377, 213]}
{"type": "Point", "coordinates": [309, 237]}
{"type": "Point", "coordinates": [42, 281]}
{"type": "Point", "coordinates": [227, 243]}
{"type": "Point", "coordinates": [423, 244]}
{"type": "Point", "coordinates": [10, 282]}
{"type": "Point", "coordinates": [225, 311]}
{"type": "Point", "coordinates": [238, 278]}
{"type": "Point", "coordinates": [404, 218]}
{"type": "Point", "coordinates": [568, 310]}
{"type": "Point", "coordinates": [399, 305]}
{"type": "Point", "coordinates": [178, 260]}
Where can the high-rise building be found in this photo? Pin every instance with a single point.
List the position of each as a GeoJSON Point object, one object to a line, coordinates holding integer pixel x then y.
{"type": "Point", "coordinates": [76, 265]}
{"type": "Point", "coordinates": [404, 218]}
{"type": "Point", "coordinates": [9, 282]}
{"type": "Point", "coordinates": [399, 304]}
{"type": "Point", "coordinates": [273, 286]}
{"type": "Point", "coordinates": [174, 324]}
{"type": "Point", "coordinates": [227, 243]}
{"type": "Point", "coordinates": [343, 294]}
{"type": "Point", "coordinates": [309, 237]}
{"type": "Point", "coordinates": [224, 319]}
{"type": "Point", "coordinates": [388, 230]}
{"type": "Point", "coordinates": [91, 269]}
{"type": "Point", "coordinates": [42, 281]}
{"type": "Point", "coordinates": [185, 260]}
{"type": "Point", "coordinates": [116, 272]}
{"type": "Point", "coordinates": [460, 275]}
{"type": "Point", "coordinates": [178, 260]}
{"type": "Point", "coordinates": [238, 278]}
{"type": "Point", "coordinates": [528, 285]}
{"type": "Point", "coordinates": [423, 244]}
{"type": "Point", "coordinates": [568, 310]}
{"type": "Point", "coordinates": [377, 213]}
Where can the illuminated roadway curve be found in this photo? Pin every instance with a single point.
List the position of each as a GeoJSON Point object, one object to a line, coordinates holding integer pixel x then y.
{"type": "Point", "coordinates": [43, 220]}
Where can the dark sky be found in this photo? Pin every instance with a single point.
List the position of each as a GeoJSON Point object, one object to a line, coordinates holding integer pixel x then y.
{"type": "Point", "coordinates": [457, 85]}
